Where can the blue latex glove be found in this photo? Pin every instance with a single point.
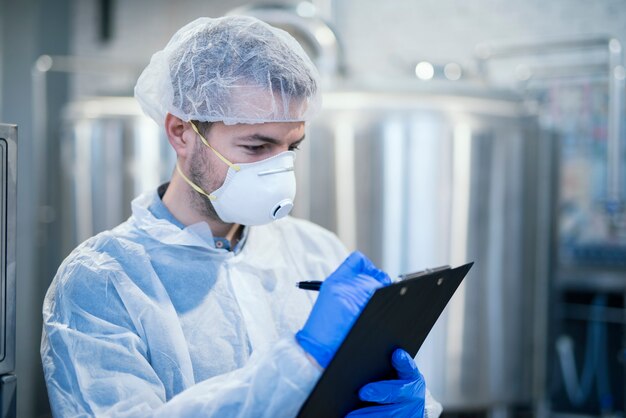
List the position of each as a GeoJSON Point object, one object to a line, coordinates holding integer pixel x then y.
{"type": "Point", "coordinates": [404, 397]}
{"type": "Point", "coordinates": [342, 297]}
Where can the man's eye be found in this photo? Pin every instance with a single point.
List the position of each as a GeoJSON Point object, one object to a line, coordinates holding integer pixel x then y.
{"type": "Point", "coordinates": [254, 148]}
{"type": "Point", "coordinates": [294, 147]}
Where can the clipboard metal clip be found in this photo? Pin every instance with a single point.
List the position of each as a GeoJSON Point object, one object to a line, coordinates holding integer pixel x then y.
{"type": "Point", "coordinates": [423, 273]}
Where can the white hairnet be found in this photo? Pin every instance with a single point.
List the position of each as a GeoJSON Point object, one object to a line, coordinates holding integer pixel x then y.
{"type": "Point", "coordinates": [233, 69]}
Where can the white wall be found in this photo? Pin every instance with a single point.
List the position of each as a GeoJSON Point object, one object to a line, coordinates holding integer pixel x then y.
{"type": "Point", "coordinates": [381, 38]}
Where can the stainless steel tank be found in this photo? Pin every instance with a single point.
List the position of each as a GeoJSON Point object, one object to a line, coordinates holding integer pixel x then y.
{"type": "Point", "coordinates": [422, 178]}
{"type": "Point", "coordinates": [111, 152]}
{"type": "Point", "coordinates": [414, 178]}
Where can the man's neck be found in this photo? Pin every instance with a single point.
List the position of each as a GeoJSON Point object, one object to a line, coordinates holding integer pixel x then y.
{"type": "Point", "coordinates": [177, 200]}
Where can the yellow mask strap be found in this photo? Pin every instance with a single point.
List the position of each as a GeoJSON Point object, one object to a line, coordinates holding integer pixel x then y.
{"type": "Point", "coordinates": [193, 185]}
{"type": "Point", "coordinates": [220, 156]}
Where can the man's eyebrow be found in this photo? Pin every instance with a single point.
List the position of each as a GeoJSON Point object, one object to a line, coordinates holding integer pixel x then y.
{"type": "Point", "coordinates": [269, 139]}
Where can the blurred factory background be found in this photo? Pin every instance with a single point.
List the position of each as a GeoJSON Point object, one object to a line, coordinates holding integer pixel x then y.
{"type": "Point", "coordinates": [452, 131]}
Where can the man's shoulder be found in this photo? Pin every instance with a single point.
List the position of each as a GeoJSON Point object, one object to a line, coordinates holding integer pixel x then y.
{"type": "Point", "coordinates": [87, 290]}
{"type": "Point", "coordinates": [100, 255]}
{"type": "Point", "coordinates": [91, 275]}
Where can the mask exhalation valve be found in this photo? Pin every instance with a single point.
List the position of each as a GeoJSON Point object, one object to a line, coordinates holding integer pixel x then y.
{"type": "Point", "coordinates": [282, 209]}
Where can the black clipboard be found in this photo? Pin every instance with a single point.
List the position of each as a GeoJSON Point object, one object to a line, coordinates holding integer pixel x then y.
{"type": "Point", "coordinates": [397, 316]}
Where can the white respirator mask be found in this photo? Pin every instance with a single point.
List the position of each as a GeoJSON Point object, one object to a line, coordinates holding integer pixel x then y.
{"type": "Point", "coordinates": [253, 193]}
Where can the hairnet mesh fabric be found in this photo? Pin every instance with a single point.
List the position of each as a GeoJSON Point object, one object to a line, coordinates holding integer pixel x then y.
{"type": "Point", "coordinates": [233, 69]}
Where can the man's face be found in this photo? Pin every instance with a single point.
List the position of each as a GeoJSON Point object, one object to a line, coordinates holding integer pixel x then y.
{"type": "Point", "coordinates": [242, 143]}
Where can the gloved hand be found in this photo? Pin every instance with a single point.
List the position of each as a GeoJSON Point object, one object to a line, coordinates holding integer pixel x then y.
{"type": "Point", "coordinates": [404, 397]}
{"type": "Point", "coordinates": [342, 297]}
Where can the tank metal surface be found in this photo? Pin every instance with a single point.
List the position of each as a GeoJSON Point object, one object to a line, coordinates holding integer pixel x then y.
{"type": "Point", "coordinates": [111, 152]}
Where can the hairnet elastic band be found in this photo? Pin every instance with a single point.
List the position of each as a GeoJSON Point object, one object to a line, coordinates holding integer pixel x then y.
{"type": "Point", "coordinates": [194, 186]}
{"type": "Point", "coordinates": [205, 142]}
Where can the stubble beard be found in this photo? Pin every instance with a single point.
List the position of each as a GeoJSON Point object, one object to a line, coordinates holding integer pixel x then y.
{"type": "Point", "coordinates": [199, 170]}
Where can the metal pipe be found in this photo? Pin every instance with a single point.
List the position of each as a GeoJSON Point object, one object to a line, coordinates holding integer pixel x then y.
{"type": "Point", "coordinates": [533, 73]}
{"type": "Point", "coordinates": [614, 204]}
{"type": "Point", "coordinates": [303, 21]}
{"type": "Point", "coordinates": [489, 50]}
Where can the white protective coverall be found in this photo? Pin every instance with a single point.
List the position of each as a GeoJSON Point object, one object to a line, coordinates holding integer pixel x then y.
{"type": "Point", "coordinates": [150, 319]}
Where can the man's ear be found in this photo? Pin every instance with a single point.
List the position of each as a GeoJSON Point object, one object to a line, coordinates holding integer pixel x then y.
{"type": "Point", "coordinates": [176, 130]}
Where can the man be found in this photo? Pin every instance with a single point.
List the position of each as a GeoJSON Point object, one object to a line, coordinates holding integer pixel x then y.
{"type": "Point", "coordinates": [189, 308]}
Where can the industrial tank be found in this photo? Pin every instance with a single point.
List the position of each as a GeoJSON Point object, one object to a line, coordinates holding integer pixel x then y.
{"type": "Point", "coordinates": [110, 152]}
{"type": "Point", "coordinates": [413, 177]}
{"type": "Point", "coordinates": [420, 177]}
